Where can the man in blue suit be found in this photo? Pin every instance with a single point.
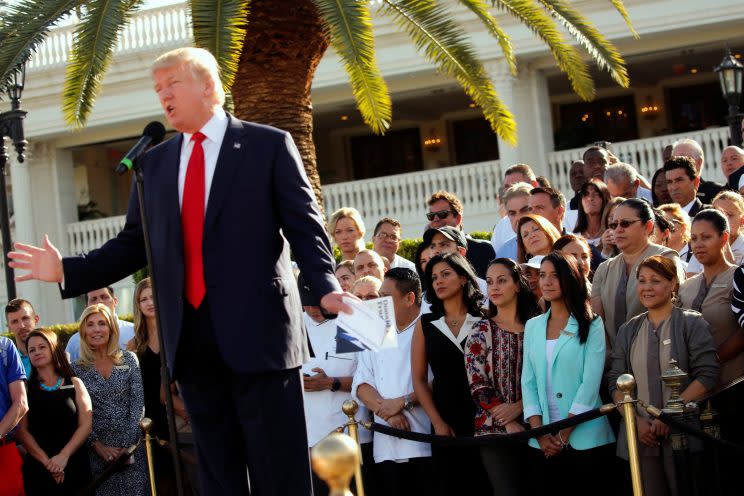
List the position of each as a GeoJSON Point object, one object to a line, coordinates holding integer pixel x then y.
{"type": "Point", "coordinates": [225, 200]}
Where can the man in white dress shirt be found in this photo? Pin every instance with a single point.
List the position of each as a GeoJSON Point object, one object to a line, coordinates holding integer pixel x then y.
{"type": "Point", "coordinates": [386, 241]}
{"type": "Point", "coordinates": [383, 383]}
{"type": "Point", "coordinates": [106, 297]}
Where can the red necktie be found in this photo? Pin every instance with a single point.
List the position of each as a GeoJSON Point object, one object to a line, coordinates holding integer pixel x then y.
{"type": "Point", "coordinates": [192, 223]}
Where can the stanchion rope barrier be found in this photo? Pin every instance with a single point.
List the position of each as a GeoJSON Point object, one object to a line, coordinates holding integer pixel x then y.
{"type": "Point", "coordinates": [110, 469]}
{"type": "Point", "coordinates": [491, 439]}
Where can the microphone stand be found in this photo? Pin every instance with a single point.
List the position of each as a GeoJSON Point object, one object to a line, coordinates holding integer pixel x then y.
{"type": "Point", "coordinates": [164, 375]}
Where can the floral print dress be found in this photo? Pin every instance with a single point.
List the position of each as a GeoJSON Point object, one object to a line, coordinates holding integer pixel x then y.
{"type": "Point", "coordinates": [493, 361]}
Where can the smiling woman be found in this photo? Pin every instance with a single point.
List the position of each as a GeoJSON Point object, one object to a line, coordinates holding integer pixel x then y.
{"type": "Point", "coordinates": [115, 385]}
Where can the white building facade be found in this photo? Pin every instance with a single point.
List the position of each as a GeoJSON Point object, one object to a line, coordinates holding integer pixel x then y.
{"type": "Point", "coordinates": [68, 178]}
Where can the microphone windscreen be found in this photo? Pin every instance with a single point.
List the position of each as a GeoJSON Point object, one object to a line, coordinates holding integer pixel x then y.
{"type": "Point", "coordinates": [156, 131]}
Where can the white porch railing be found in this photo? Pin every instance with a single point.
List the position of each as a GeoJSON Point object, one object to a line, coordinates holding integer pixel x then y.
{"type": "Point", "coordinates": [148, 29]}
{"type": "Point", "coordinates": [645, 155]}
{"type": "Point", "coordinates": [91, 234]}
{"type": "Point", "coordinates": [404, 196]}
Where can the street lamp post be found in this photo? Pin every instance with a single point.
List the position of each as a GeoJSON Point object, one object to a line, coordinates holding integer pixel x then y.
{"type": "Point", "coordinates": [730, 73]}
{"type": "Point", "coordinates": [11, 125]}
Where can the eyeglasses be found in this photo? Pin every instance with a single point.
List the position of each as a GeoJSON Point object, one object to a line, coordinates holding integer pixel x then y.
{"type": "Point", "coordinates": [441, 215]}
{"type": "Point", "coordinates": [623, 223]}
{"type": "Point", "coordinates": [392, 237]}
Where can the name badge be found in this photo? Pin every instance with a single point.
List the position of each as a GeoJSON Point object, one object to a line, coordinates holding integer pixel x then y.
{"type": "Point", "coordinates": [718, 286]}
{"type": "Point", "coordinates": [121, 367]}
{"type": "Point", "coordinates": [667, 342]}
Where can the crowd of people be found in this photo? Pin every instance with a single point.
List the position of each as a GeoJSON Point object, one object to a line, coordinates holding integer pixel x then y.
{"type": "Point", "coordinates": [537, 325]}
{"type": "Point", "coordinates": [493, 337]}
{"type": "Point", "coordinates": [74, 411]}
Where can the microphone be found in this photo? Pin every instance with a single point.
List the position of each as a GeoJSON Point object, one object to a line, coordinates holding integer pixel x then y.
{"type": "Point", "coordinates": [153, 134]}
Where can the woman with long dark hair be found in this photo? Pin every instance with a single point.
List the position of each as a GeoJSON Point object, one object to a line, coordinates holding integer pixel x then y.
{"type": "Point", "coordinates": [564, 357]}
{"type": "Point", "coordinates": [493, 361]}
{"type": "Point", "coordinates": [439, 343]}
{"type": "Point", "coordinates": [58, 422]}
{"type": "Point", "coordinates": [594, 198]}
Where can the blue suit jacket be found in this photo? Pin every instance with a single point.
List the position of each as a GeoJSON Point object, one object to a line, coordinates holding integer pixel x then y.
{"type": "Point", "coordinates": [576, 374]}
{"type": "Point", "coordinates": [260, 198]}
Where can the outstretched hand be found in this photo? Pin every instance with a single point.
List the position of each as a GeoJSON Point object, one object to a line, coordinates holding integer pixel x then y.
{"type": "Point", "coordinates": [42, 264]}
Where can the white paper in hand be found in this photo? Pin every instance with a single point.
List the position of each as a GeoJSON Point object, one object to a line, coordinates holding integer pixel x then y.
{"type": "Point", "coordinates": [368, 327]}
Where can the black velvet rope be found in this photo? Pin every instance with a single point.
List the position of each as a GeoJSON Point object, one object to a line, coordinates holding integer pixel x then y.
{"type": "Point", "coordinates": [700, 434]}
{"type": "Point", "coordinates": [113, 467]}
{"type": "Point", "coordinates": [491, 439]}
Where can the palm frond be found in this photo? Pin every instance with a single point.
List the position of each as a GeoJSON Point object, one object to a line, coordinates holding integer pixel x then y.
{"type": "Point", "coordinates": [350, 27]}
{"type": "Point", "coordinates": [620, 7]}
{"type": "Point", "coordinates": [444, 43]}
{"type": "Point", "coordinates": [92, 50]}
{"type": "Point", "coordinates": [480, 9]}
{"type": "Point", "coordinates": [565, 55]}
{"type": "Point", "coordinates": [602, 51]}
{"type": "Point", "coordinates": [24, 27]}
{"type": "Point", "coordinates": [220, 27]}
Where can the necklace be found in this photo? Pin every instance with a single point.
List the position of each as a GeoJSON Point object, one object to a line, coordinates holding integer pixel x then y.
{"type": "Point", "coordinates": [51, 388]}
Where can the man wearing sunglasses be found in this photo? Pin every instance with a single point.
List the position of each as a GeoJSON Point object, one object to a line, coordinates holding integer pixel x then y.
{"type": "Point", "coordinates": [445, 209]}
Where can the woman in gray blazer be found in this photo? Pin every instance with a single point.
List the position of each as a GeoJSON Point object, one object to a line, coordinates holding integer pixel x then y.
{"type": "Point", "coordinates": [643, 347]}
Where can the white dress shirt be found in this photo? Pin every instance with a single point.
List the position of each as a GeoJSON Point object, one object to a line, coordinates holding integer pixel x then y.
{"type": "Point", "coordinates": [502, 232]}
{"type": "Point", "coordinates": [323, 408]}
{"type": "Point", "coordinates": [389, 372]}
{"type": "Point", "coordinates": [687, 207]}
{"type": "Point", "coordinates": [645, 194]}
{"type": "Point", "coordinates": [214, 130]}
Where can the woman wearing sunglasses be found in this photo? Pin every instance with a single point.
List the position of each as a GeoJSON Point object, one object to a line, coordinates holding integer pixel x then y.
{"type": "Point", "coordinates": [614, 295]}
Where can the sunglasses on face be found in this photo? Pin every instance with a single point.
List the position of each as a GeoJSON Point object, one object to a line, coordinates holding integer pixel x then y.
{"type": "Point", "coordinates": [441, 215]}
{"type": "Point", "coordinates": [623, 223]}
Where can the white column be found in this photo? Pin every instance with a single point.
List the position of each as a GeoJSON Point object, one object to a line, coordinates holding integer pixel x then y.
{"type": "Point", "coordinates": [23, 217]}
{"type": "Point", "coordinates": [44, 203]}
{"type": "Point", "coordinates": [527, 97]}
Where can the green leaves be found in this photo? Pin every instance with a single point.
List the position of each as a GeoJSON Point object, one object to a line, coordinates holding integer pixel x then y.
{"type": "Point", "coordinates": [620, 7]}
{"type": "Point", "coordinates": [480, 9]}
{"type": "Point", "coordinates": [220, 27]}
{"type": "Point", "coordinates": [602, 52]}
{"type": "Point", "coordinates": [92, 51]}
{"type": "Point", "coordinates": [23, 28]}
{"type": "Point", "coordinates": [444, 43]}
{"type": "Point", "coordinates": [350, 27]}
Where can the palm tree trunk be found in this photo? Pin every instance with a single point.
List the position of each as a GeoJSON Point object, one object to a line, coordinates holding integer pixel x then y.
{"type": "Point", "coordinates": [284, 44]}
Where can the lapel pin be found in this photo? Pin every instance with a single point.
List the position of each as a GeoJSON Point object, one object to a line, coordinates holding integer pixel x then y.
{"type": "Point", "coordinates": [236, 145]}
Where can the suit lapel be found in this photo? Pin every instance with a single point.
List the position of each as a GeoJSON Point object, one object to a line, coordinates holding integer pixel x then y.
{"type": "Point", "coordinates": [539, 350]}
{"type": "Point", "coordinates": [231, 156]}
{"type": "Point", "coordinates": [170, 201]}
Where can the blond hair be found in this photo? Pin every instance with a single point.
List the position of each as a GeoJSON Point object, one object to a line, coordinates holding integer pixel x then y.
{"type": "Point", "coordinates": [732, 196]}
{"type": "Point", "coordinates": [87, 357]}
{"type": "Point", "coordinates": [348, 213]}
{"type": "Point", "coordinates": [678, 217]}
{"type": "Point", "coordinates": [199, 61]}
{"type": "Point", "coordinates": [372, 280]}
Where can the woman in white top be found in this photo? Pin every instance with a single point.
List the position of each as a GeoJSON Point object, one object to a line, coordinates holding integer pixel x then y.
{"type": "Point", "coordinates": [564, 356]}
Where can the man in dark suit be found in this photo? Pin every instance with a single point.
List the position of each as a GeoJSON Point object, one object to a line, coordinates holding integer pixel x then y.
{"type": "Point", "coordinates": [224, 197]}
{"type": "Point", "coordinates": [445, 209]}
{"type": "Point", "coordinates": [683, 182]}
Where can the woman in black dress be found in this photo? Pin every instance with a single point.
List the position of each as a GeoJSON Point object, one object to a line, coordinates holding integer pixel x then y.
{"type": "Point", "coordinates": [147, 347]}
{"type": "Point", "coordinates": [438, 343]}
{"type": "Point", "coordinates": [58, 421]}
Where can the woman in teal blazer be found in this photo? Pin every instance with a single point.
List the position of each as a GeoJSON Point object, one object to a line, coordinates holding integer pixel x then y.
{"type": "Point", "coordinates": [564, 356]}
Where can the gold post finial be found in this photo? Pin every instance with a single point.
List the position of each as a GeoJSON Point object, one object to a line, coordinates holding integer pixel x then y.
{"type": "Point", "coordinates": [626, 383]}
{"type": "Point", "coordinates": [146, 425]}
{"type": "Point", "coordinates": [350, 408]}
{"type": "Point", "coordinates": [335, 458]}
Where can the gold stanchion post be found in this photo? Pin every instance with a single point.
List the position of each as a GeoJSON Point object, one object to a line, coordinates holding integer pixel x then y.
{"type": "Point", "coordinates": [146, 426]}
{"type": "Point", "coordinates": [350, 408]}
{"type": "Point", "coordinates": [626, 384]}
{"type": "Point", "coordinates": [335, 458]}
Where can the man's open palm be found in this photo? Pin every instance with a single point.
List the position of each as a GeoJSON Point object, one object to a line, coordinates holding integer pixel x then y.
{"type": "Point", "coordinates": [43, 264]}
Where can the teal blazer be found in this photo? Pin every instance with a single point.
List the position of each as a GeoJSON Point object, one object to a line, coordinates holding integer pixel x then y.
{"type": "Point", "coordinates": [577, 377]}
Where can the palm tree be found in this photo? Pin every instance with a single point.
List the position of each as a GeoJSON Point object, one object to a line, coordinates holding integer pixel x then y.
{"type": "Point", "coordinates": [268, 51]}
